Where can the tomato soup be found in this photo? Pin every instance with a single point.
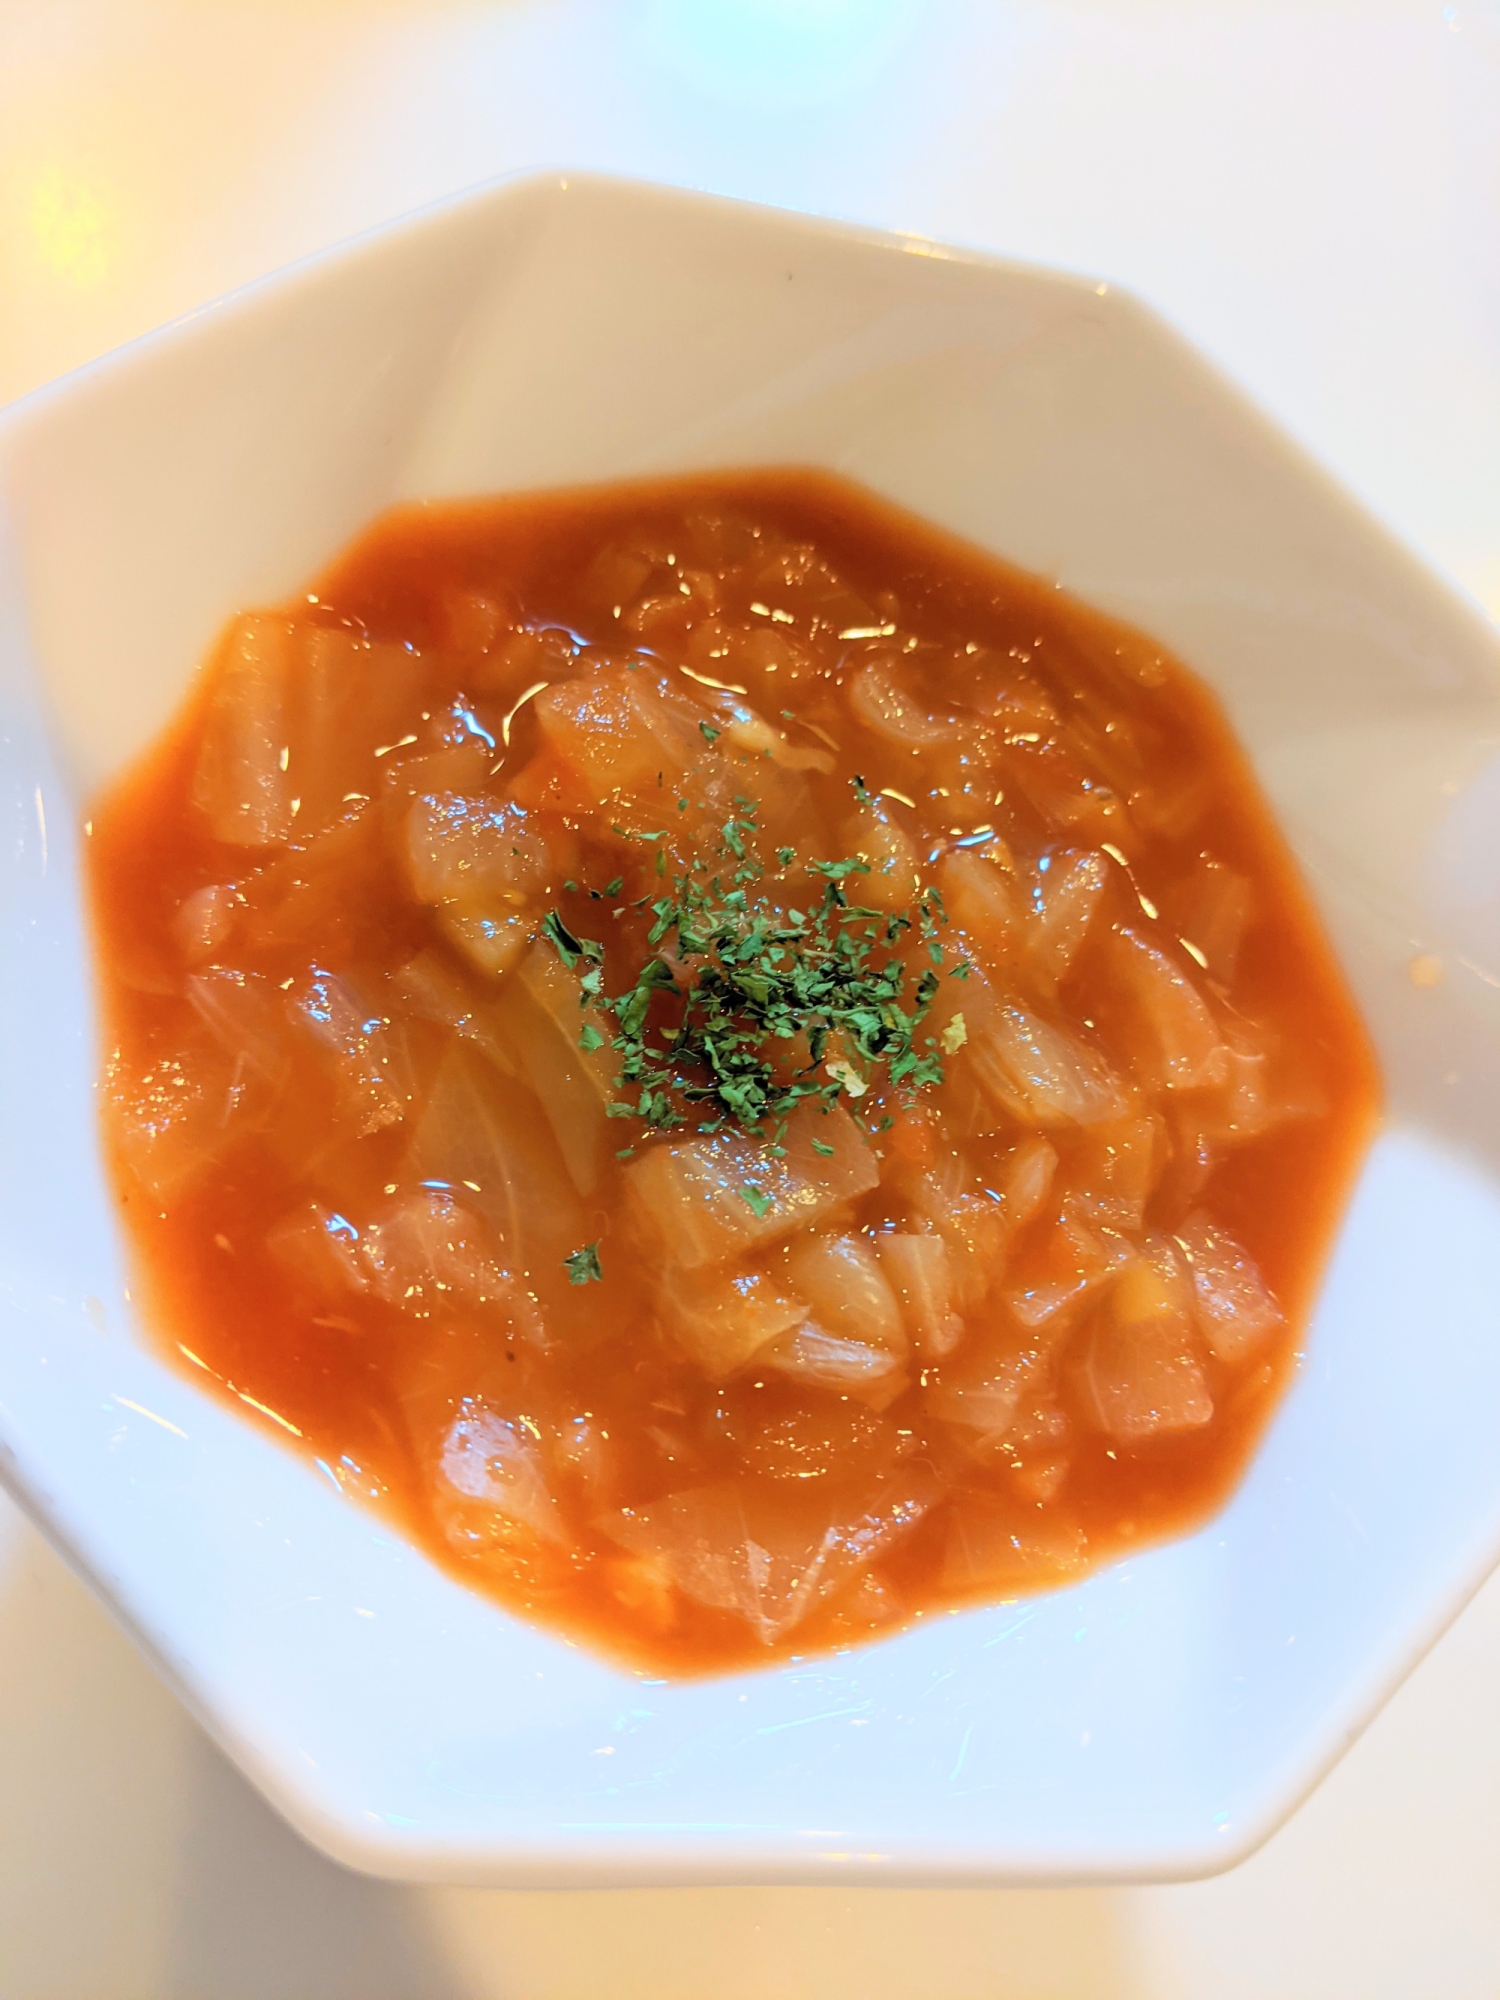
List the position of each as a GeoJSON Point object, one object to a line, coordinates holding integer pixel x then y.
{"type": "Point", "coordinates": [748, 1072]}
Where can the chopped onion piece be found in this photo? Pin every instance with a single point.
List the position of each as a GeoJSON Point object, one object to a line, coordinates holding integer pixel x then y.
{"type": "Point", "coordinates": [489, 1146]}
{"type": "Point", "coordinates": [724, 1319]}
{"type": "Point", "coordinates": [921, 1274]}
{"type": "Point", "coordinates": [702, 1201]}
{"type": "Point", "coordinates": [429, 1253]}
{"type": "Point", "coordinates": [996, 1544]}
{"type": "Point", "coordinates": [985, 900]}
{"type": "Point", "coordinates": [1181, 1043]}
{"type": "Point", "coordinates": [884, 706]}
{"type": "Point", "coordinates": [1067, 899]}
{"type": "Point", "coordinates": [1236, 1312]}
{"type": "Point", "coordinates": [172, 1121]}
{"type": "Point", "coordinates": [858, 1368]}
{"type": "Point", "coordinates": [319, 1249]}
{"type": "Point", "coordinates": [244, 1013]}
{"type": "Point", "coordinates": [846, 1290]}
{"type": "Point", "coordinates": [1113, 1173]}
{"type": "Point", "coordinates": [1036, 1070]}
{"type": "Point", "coordinates": [474, 854]}
{"type": "Point", "coordinates": [490, 1482]}
{"type": "Point", "coordinates": [1140, 1375]}
{"type": "Point", "coordinates": [205, 921]}
{"type": "Point", "coordinates": [750, 1551]}
{"type": "Point", "coordinates": [892, 859]}
{"type": "Point", "coordinates": [540, 1018]}
{"type": "Point", "coordinates": [367, 1055]}
{"type": "Point", "coordinates": [241, 784]}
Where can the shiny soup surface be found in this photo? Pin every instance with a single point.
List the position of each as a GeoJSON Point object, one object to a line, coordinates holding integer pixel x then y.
{"type": "Point", "coordinates": [749, 1072]}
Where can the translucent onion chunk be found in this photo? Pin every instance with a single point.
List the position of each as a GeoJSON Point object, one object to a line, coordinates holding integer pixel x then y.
{"type": "Point", "coordinates": [1035, 1070]}
{"type": "Point", "coordinates": [723, 1319]}
{"type": "Point", "coordinates": [749, 1551]}
{"type": "Point", "coordinates": [995, 1544]}
{"type": "Point", "coordinates": [1140, 1373]}
{"type": "Point", "coordinates": [241, 785]}
{"type": "Point", "coordinates": [1180, 1043]}
{"type": "Point", "coordinates": [1236, 1312]}
{"type": "Point", "coordinates": [921, 1275]}
{"type": "Point", "coordinates": [491, 1483]}
{"type": "Point", "coordinates": [860, 1368]}
{"type": "Point", "coordinates": [703, 1201]}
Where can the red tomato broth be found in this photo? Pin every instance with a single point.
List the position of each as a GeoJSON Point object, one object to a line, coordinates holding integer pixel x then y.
{"type": "Point", "coordinates": [310, 1018]}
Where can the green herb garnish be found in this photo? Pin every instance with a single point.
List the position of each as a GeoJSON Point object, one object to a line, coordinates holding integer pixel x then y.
{"type": "Point", "coordinates": [583, 1265]}
{"type": "Point", "coordinates": [754, 1009]}
{"type": "Point", "coordinates": [569, 948]}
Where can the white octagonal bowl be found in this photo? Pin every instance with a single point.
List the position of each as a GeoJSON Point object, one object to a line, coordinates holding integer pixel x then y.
{"type": "Point", "coordinates": [1156, 1720]}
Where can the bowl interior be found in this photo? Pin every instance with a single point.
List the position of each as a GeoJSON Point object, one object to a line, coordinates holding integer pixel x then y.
{"type": "Point", "coordinates": [1155, 1719]}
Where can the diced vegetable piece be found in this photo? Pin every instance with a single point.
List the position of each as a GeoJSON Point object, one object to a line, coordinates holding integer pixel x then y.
{"type": "Point", "coordinates": [306, 899]}
{"type": "Point", "coordinates": [244, 1013]}
{"type": "Point", "coordinates": [829, 1153]}
{"type": "Point", "coordinates": [1236, 1313]}
{"type": "Point", "coordinates": [859, 1368]}
{"type": "Point", "coordinates": [366, 1054]}
{"type": "Point", "coordinates": [172, 1120]}
{"type": "Point", "coordinates": [241, 784]}
{"type": "Point", "coordinates": [846, 1290]}
{"type": "Point", "coordinates": [205, 921]}
{"type": "Point", "coordinates": [474, 853]}
{"type": "Point", "coordinates": [921, 1274]}
{"type": "Point", "coordinates": [319, 1249]}
{"type": "Point", "coordinates": [1212, 910]}
{"type": "Point", "coordinates": [1048, 1286]}
{"type": "Point", "coordinates": [986, 1406]}
{"type": "Point", "coordinates": [995, 1544]}
{"type": "Point", "coordinates": [1063, 790]}
{"type": "Point", "coordinates": [1069, 892]}
{"type": "Point", "coordinates": [1113, 1173]}
{"type": "Point", "coordinates": [974, 1224]}
{"type": "Point", "coordinates": [723, 1319]}
{"type": "Point", "coordinates": [893, 861]}
{"type": "Point", "coordinates": [1179, 1041]}
{"type": "Point", "coordinates": [977, 1232]}
{"type": "Point", "coordinates": [490, 1483]}
{"type": "Point", "coordinates": [744, 730]}
{"type": "Point", "coordinates": [755, 1552]}
{"type": "Point", "coordinates": [1037, 1447]}
{"type": "Point", "coordinates": [540, 1019]}
{"type": "Point", "coordinates": [457, 769]}
{"type": "Point", "coordinates": [481, 866]}
{"type": "Point", "coordinates": [1025, 1180]}
{"type": "Point", "coordinates": [884, 705]}
{"type": "Point", "coordinates": [821, 1438]}
{"type": "Point", "coordinates": [706, 1200]}
{"type": "Point", "coordinates": [1140, 1375]}
{"type": "Point", "coordinates": [756, 1563]}
{"type": "Point", "coordinates": [432, 989]}
{"type": "Point", "coordinates": [617, 730]}
{"type": "Point", "coordinates": [350, 699]}
{"type": "Point", "coordinates": [429, 1253]}
{"type": "Point", "coordinates": [482, 1137]}
{"type": "Point", "coordinates": [1257, 1096]}
{"type": "Point", "coordinates": [985, 900]}
{"type": "Point", "coordinates": [1036, 1070]}
{"type": "Point", "coordinates": [493, 945]}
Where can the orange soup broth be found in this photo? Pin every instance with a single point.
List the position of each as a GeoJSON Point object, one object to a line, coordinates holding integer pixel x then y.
{"type": "Point", "coordinates": [347, 1380]}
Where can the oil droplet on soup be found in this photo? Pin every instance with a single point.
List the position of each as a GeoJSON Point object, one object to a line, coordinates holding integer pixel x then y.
{"type": "Point", "coordinates": [745, 1070]}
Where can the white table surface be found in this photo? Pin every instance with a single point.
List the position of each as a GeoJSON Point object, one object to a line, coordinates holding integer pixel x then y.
{"type": "Point", "coordinates": [1312, 191]}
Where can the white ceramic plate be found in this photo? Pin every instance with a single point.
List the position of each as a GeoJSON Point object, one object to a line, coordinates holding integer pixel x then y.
{"type": "Point", "coordinates": [1157, 1720]}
